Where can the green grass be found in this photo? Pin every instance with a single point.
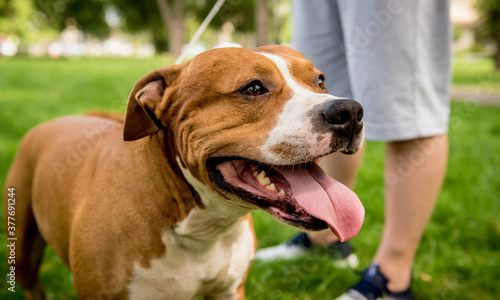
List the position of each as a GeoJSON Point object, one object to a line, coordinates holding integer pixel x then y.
{"type": "Point", "coordinates": [459, 257]}
{"type": "Point", "coordinates": [477, 74]}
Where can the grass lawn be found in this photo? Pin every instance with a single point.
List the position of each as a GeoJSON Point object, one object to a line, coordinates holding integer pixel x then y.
{"type": "Point", "coordinates": [459, 257]}
{"type": "Point", "coordinates": [477, 74]}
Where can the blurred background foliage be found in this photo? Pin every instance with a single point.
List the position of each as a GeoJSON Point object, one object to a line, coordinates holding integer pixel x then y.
{"type": "Point", "coordinates": [38, 20]}
{"type": "Point", "coordinates": [169, 24]}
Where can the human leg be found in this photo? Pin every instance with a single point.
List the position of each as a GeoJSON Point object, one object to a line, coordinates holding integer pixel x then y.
{"type": "Point", "coordinates": [414, 174]}
{"type": "Point", "coordinates": [398, 54]}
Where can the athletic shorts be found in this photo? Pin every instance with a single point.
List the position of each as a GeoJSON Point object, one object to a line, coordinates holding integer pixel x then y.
{"type": "Point", "coordinates": [392, 56]}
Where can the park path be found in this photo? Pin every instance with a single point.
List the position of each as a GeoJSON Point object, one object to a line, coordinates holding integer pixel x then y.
{"type": "Point", "coordinates": [475, 95]}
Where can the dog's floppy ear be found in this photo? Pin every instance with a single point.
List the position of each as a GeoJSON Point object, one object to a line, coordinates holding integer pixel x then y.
{"type": "Point", "coordinates": [140, 118]}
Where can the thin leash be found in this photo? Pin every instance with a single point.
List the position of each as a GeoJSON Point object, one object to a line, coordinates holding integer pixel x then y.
{"type": "Point", "coordinates": [200, 30]}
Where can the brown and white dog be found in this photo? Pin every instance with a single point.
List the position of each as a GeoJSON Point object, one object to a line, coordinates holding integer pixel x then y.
{"type": "Point", "coordinates": [158, 207]}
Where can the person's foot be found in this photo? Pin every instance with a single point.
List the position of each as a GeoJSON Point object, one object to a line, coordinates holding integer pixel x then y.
{"type": "Point", "coordinates": [301, 244]}
{"type": "Point", "coordinates": [372, 286]}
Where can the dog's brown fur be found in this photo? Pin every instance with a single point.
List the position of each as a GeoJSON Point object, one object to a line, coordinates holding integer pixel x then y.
{"type": "Point", "coordinates": [108, 193]}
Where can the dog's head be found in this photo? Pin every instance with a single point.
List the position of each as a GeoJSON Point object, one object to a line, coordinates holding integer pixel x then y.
{"type": "Point", "coordinates": [249, 125]}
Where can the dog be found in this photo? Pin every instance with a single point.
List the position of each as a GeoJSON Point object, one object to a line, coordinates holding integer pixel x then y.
{"type": "Point", "coordinates": [155, 205]}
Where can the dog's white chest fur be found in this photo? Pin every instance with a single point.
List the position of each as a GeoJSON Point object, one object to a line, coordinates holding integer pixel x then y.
{"type": "Point", "coordinates": [190, 268]}
{"type": "Point", "coordinates": [208, 253]}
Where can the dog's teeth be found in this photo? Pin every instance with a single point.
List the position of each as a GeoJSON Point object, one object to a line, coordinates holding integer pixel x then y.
{"type": "Point", "coordinates": [253, 167]}
{"type": "Point", "coordinates": [271, 187]}
{"type": "Point", "coordinates": [263, 179]}
{"type": "Point", "coordinates": [255, 173]}
{"type": "Point", "coordinates": [282, 193]}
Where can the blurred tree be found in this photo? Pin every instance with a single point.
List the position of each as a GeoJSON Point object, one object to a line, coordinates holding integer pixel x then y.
{"type": "Point", "coordinates": [172, 15]}
{"type": "Point", "coordinates": [240, 13]}
{"type": "Point", "coordinates": [261, 16]}
{"type": "Point", "coordinates": [489, 28]}
{"type": "Point", "coordinates": [280, 15]}
{"type": "Point", "coordinates": [89, 15]}
{"type": "Point", "coordinates": [143, 16]}
{"type": "Point", "coordinates": [163, 18]}
{"type": "Point", "coordinates": [15, 17]}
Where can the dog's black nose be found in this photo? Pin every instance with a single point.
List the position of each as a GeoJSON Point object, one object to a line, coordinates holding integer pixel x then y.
{"type": "Point", "coordinates": [344, 116]}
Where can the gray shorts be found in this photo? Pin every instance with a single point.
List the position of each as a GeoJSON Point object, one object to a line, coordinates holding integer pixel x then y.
{"type": "Point", "coordinates": [393, 56]}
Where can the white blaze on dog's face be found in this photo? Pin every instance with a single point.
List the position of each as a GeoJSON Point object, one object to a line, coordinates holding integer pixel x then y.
{"type": "Point", "coordinates": [249, 125]}
{"type": "Point", "coordinates": [294, 138]}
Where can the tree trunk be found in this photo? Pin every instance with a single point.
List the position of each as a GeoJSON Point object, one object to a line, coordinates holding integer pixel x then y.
{"type": "Point", "coordinates": [497, 59]}
{"type": "Point", "coordinates": [262, 22]}
{"type": "Point", "coordinates": [159, 39]}
{"type": "Point", "coordinates": [497, 42]}
{"type": "Point", "coordinates": [172, 15]}
{"type": "Point", "coordinates": [495, 34]}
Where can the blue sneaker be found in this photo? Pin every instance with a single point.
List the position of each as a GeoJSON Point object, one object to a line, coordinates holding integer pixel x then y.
{"type": "Point", "coordinates": [373, 286]}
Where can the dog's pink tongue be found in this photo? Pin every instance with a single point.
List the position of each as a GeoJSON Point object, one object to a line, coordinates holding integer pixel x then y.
{"type": "Point", "coordinates": [327, 199]}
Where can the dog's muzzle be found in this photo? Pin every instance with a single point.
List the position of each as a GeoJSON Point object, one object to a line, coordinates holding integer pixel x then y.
{"type": "Point", "coordinates": [344, 117]}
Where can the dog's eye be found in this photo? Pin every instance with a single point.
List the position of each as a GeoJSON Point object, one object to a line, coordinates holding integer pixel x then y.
{"type": "Point", "coordinates": [255, 88]}
{"type": "Point", "coordinates": [321, 82]}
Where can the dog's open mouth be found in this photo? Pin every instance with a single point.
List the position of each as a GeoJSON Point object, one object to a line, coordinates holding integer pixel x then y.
{"type": "Point", "coordinates": [302, 195]}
